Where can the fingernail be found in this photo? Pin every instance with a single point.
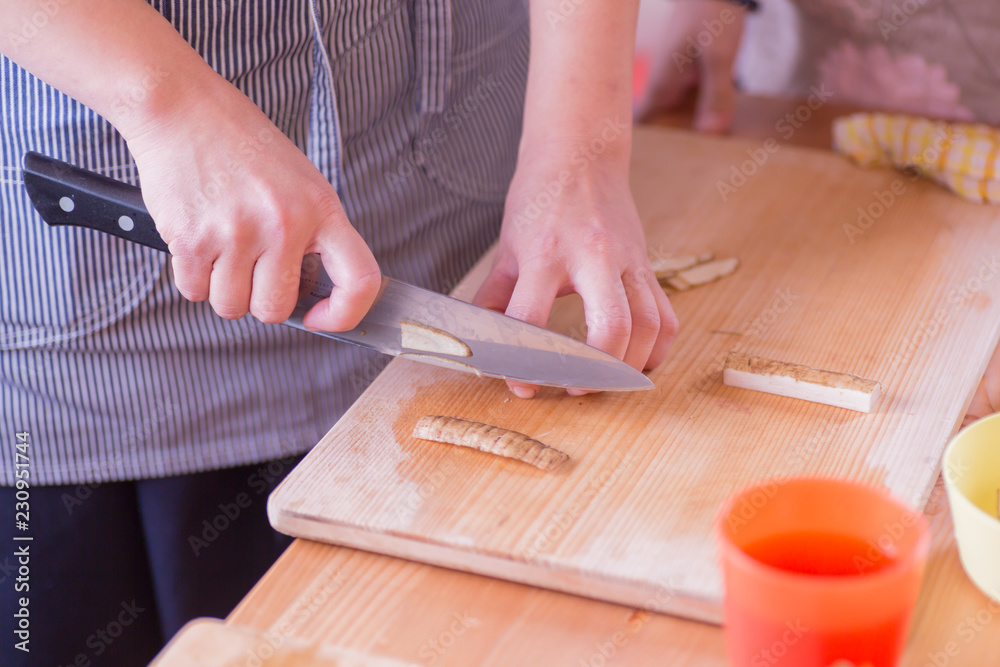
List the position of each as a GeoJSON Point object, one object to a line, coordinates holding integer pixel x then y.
{"type": "Point", "coordinates": [523, 392]}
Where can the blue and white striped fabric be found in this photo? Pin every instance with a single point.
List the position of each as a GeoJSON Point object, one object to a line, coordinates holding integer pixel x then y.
{"type": "Point", "coordinates": [411, 108]}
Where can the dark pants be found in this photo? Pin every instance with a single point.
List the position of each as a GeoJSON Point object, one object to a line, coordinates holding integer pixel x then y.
{"type": "Point", "coordinates": [114, 570]}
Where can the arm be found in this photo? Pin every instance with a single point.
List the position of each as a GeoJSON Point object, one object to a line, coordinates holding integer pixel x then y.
{"type": "Point", "coordinates": [241, 245]}
{"type": "Point", "coordinates": [692, 43]}
{"type": "Point", "coordinates": [570, 224]}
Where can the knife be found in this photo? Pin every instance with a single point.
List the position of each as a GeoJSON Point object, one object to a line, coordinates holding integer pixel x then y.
{"type": "Point", "coordinates": [500, 346]}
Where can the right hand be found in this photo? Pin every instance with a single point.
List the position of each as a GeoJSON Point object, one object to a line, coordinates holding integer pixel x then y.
{"type": "Point", "coordinates": [239, 205]}
{"type": "Point", "coordinates": [986, 400]}
{"type": "Point", "coordinates": [695, 46]}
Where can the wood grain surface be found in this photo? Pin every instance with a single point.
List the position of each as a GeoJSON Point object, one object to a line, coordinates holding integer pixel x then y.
{"type": "Point", "coordinates": [209, 642]}
{"type": "Point", "coordinates": [908, 302]}
{"type": "Point", "coordinates": [433, 616]}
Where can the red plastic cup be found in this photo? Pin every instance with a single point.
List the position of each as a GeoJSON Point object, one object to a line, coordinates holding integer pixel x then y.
{"type": "Point", "coordinates": [819, 572]}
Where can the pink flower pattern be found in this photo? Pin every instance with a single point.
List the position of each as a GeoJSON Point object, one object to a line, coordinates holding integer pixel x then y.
{"type": "Point", "coordinates": [874, 78]}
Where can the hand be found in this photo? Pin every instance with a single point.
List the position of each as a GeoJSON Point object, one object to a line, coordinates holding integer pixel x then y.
{"type": "Point", "coordinates": [588, 239]}
{"type": "Point", "coordinates": [239, 205]}
{"type": "Point", "coordinates": [986, 400]}
{"type": "Point", "coordinates": [694, 44]}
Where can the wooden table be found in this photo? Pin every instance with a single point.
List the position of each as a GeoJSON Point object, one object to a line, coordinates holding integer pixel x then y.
{"type": "Point", "coordinates": [433, 616]}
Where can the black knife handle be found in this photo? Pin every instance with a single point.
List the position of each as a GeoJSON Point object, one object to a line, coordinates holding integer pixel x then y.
{"type": "Point", "coordinates": [67, 195]}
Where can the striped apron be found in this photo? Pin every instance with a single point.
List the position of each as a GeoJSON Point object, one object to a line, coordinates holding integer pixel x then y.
{"type": "Point", "coordinates": [411, 108]}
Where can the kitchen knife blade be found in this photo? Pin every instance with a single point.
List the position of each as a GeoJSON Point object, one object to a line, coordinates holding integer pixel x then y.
{"type": "Point", "coordinates": [501, 346]}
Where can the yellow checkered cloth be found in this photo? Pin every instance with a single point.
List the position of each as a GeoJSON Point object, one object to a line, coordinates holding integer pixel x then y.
{"type": "Point", "coordinates": [963, 157]}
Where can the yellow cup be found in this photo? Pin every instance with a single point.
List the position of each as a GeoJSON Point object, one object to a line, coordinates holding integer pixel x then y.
{"type": "Point", "coordinates": [971, 467]}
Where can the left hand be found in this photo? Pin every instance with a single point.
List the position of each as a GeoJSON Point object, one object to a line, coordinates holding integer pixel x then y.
{"type": "Point", "coordinates": [570, 225]}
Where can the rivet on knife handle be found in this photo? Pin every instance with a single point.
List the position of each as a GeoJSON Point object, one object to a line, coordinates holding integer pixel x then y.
{"type": "Point", "coordinates": [67, 195]}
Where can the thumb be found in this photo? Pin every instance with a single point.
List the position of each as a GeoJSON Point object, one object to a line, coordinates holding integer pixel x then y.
{"type": "Point", "coordinates": [352, 268]}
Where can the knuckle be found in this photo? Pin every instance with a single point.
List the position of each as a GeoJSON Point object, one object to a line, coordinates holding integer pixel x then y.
{"type": "Point", "coordinates": [189, 245]}
{"type": "Point", "coordinates": [669, 325]}
{"type": "Point", "coordinates": [368, 282]}
{"type": "Point", "coordinates": [281, 236]}
{"type": "Point", "coordinates": [327, 207]}
{"type": "Point", "coordinates": [281, 279]}
{"type": "Point", "coordinates": [544, 250]}
{"type": "Point", "coordinates": [229, 310]}
{"type": "Point", "coordinates": [195, 294]}
{"type": "Point", "coordinates": [272, 311]}
{"type": "Point", "coordinates": [234, 233]}
{"type": "Point", "coordinates": [600, 243]}
{"type": "Point", "coordinates": [271, 202]}
{"type": "Point", "coordinates": [646, 318]}
{"type": "Point", "coordinates": [523, 313]}
{"type": "Point", "coordinates": [613, 321]}
{"type": "Point", "coordinates": [192, 285]}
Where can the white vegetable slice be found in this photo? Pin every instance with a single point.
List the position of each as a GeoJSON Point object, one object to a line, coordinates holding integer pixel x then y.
{"type": "Point", "coordinates": [677, 284]}
{"type": "Point", "coordinates": [428, 339]}
{"type": "Point", "coordinates": [442, 362]}
{"type": "Point", "coordinates": [709, 271]}
{"type": "Point", "coordinates": [664, 267]}
{"type": "Point", "coordinates": [841, 390]}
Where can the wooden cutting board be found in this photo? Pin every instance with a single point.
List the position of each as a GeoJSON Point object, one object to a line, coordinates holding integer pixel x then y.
{"type": "Point", "coordinates": [210, 642]}
{"type": "Point", "coordinates": [908, 299]}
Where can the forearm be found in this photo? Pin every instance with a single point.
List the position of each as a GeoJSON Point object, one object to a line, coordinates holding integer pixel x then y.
{"type": "Point", "coordinates": [236, 241]}
{"type": "Point", "coordinates": [119, 57]}
{"type": "Point", "coordinates": [580, 76]}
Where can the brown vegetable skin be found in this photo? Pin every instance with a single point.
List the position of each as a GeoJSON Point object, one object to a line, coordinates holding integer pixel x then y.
{"type": "Point", "coordinates": [490, 439]}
